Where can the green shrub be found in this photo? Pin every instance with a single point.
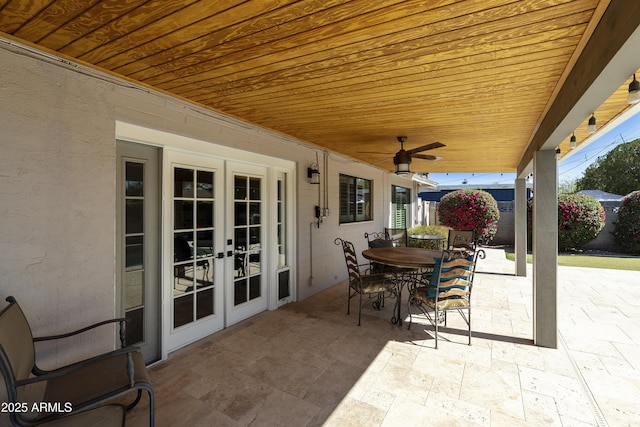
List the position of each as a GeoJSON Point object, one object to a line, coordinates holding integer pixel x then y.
{"type": "Point", "coordinates": [580, 220]}
{"type": "Point", "coordinates": [626, 230]}
{"type": "Point", "coordinates": [470, 210]}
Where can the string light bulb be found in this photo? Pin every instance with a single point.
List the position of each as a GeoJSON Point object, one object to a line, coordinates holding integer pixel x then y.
{"type": "Point", "coordinates": [591, 128]}
{"type": "Point", "coordinates": [634, 91]}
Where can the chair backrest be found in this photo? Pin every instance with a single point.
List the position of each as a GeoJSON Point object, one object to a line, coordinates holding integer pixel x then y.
{"type": "Point", "coordinates": [461, 237]}
{"type": "Point", "coordinates": [455, 270]}
{"type": "Point", "coordinates": [17, 353]}
{"type": "Point", "coordinates": [350, 258]}
{"type": "Point", "coordinates": [398, 235]}
{"type": "Point", "coordinates": [378, 239]}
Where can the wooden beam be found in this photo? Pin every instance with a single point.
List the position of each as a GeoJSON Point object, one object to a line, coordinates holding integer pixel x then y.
{"type": "Point", "coordinates": [618, 23]}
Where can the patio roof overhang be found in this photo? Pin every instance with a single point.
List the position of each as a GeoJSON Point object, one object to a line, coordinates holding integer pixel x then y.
{"type": "Point", "coordinates": [492, 80]}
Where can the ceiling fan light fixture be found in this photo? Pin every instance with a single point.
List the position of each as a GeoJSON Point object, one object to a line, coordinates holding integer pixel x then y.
{"type": "Point", "coordinates": [591, 128]}
{"type": "Point", "coordinates": [402, 160]}
{"type": "Point", "coordinates": [634, 91]}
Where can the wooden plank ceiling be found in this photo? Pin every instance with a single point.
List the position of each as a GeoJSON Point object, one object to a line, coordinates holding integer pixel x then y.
{"type": "Point", "coordinates": [349, 76]}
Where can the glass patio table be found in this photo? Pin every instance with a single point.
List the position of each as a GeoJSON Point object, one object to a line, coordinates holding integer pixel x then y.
{"type": "Point", "coordinates": [429, 237]}
{"type": "Point", "coordinates": [410, 264]}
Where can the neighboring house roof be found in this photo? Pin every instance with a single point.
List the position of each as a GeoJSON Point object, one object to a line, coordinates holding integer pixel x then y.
{"type": "Point", "coordinates": [500, 192]}
{"type": "Point", "coordinates": [602, 196]}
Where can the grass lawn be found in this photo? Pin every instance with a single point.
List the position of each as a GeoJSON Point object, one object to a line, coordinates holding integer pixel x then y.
{"type": "Point", "coordinates": [611, 262]}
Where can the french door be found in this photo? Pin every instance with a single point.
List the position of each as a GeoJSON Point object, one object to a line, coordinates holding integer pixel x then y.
{"type": "Point", "coordinates": [246, 220]}
{"type": "Point", "coordinates": [194, 199]}
{"type": "Point", "coordinates": [216, 234]}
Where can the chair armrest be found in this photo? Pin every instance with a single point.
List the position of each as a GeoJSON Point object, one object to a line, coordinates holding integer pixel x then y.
{"type": "Point", "coordinates": [69, 369]}
{"type": "Point", "coordinates": [120, 320]}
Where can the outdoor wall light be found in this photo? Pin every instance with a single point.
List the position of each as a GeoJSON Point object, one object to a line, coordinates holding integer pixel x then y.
{"type": "Point", "coordinates": [634, 91]}
{"type": "Point", "coordinates": [572, 141]}
{"type": "Point", "coordinates": [591, 128]}
{"type": "Point", "coordinates": [313, 174]}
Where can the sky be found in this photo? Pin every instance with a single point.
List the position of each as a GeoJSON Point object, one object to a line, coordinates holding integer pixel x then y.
{"type": "Point", "coordinates": [569, 169]}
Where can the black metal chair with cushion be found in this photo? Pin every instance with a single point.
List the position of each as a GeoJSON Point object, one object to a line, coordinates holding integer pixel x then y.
{"type": "Point", "coordinates": [82, 385]}
{"type": "Point", "coordinates": [398, 235]}
{"type": "Point", "coordinates": [362, 283]}
{"type": "Point", "coordinates": [378, 239]}
{"type": "Point", "coordinates": [449, 289]}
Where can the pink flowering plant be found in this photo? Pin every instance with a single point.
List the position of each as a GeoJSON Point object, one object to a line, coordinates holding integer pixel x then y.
{"type": "Point", "coordinates": [626, 230]}
{"type": "Point", "coordinates": [470, 210]}
{"type": "Point", "coordinates": [580, 220]}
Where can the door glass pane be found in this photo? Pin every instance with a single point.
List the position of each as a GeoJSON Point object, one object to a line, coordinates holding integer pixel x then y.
{"type": "Point", "coordinates": [240, 292]}
{"type": "Point", "coordinates": [183, 182]}
{"type": "Point", "coordinates": [205, 185]}
{"type": "Point", "coordinates": [240, 238]}
{"type": "Point", "coordinates": [254, 213]}
{"type": "Point", "coordinates": [254, 287]}
{"type": "Point", "coordinates": [182, 310]}
{"type": "Point", "coordinates": [205, 214]}
{"type": "Point", "coordinates": [254, 188]}
{"type": "Point", "coordinates": [182, 244]}
{"type": "Point", "coordinates": [134, 252]}
{"type": "Point", "coordinates": [240, 213]}
{"type": "Point", "coordinates": [281, 228]}
{"type": "Point", "coordinates": [134, 216]}
{"type": "Point", "coordinates": [240, 188]}
{"type": "Point", "coordinates": [248, 239]}
{"type": "Point", "coordinates": [204, 262]}
{"type": "Point", "coordinates": [135, 326]}
{"type": "Point", "coordinates": [133, 277]}
{"type": "Point", "coordinates": [183, 214]}
{"type": "Point", "coordinates": [133, 287]}
{"type": "Point", "coordinates": [204, 303]}
{"type": "Point", "coordinates": [134, 177]}
{"type": "Point", "coordinates": [204, 243]}
{"type": "Point", "coordinates": [193, 245]}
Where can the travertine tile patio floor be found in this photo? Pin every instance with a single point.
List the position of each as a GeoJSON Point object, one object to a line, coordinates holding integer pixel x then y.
{"type": "Point", "coordinates": [309, 364]}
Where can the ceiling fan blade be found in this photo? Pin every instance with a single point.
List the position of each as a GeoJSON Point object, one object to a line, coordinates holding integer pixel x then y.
{"type": "Point", "coordinates": [424, 156]}
{"type": "Point", "coordinates": [426, 147]}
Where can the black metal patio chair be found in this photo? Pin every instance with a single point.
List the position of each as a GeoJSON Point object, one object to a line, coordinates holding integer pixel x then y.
{"type": "Point", "coordinates": [373, 284]}
{"type": "Point", "coordinates": [82, 386]}
{"type": "Point", "coordinates": [398, 235]}
{"type": "Point", "coordinates": [449, 289]}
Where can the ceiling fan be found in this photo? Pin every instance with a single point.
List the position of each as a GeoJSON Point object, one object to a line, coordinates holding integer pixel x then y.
{"type": "Point", "coordinates": [402, 159]}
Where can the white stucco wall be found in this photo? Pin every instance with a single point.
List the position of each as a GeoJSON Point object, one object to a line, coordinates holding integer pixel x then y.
{"type": "Point", "coordinates": [57, 191]}
{"type": "Point", "coordinates": [57, 198]}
